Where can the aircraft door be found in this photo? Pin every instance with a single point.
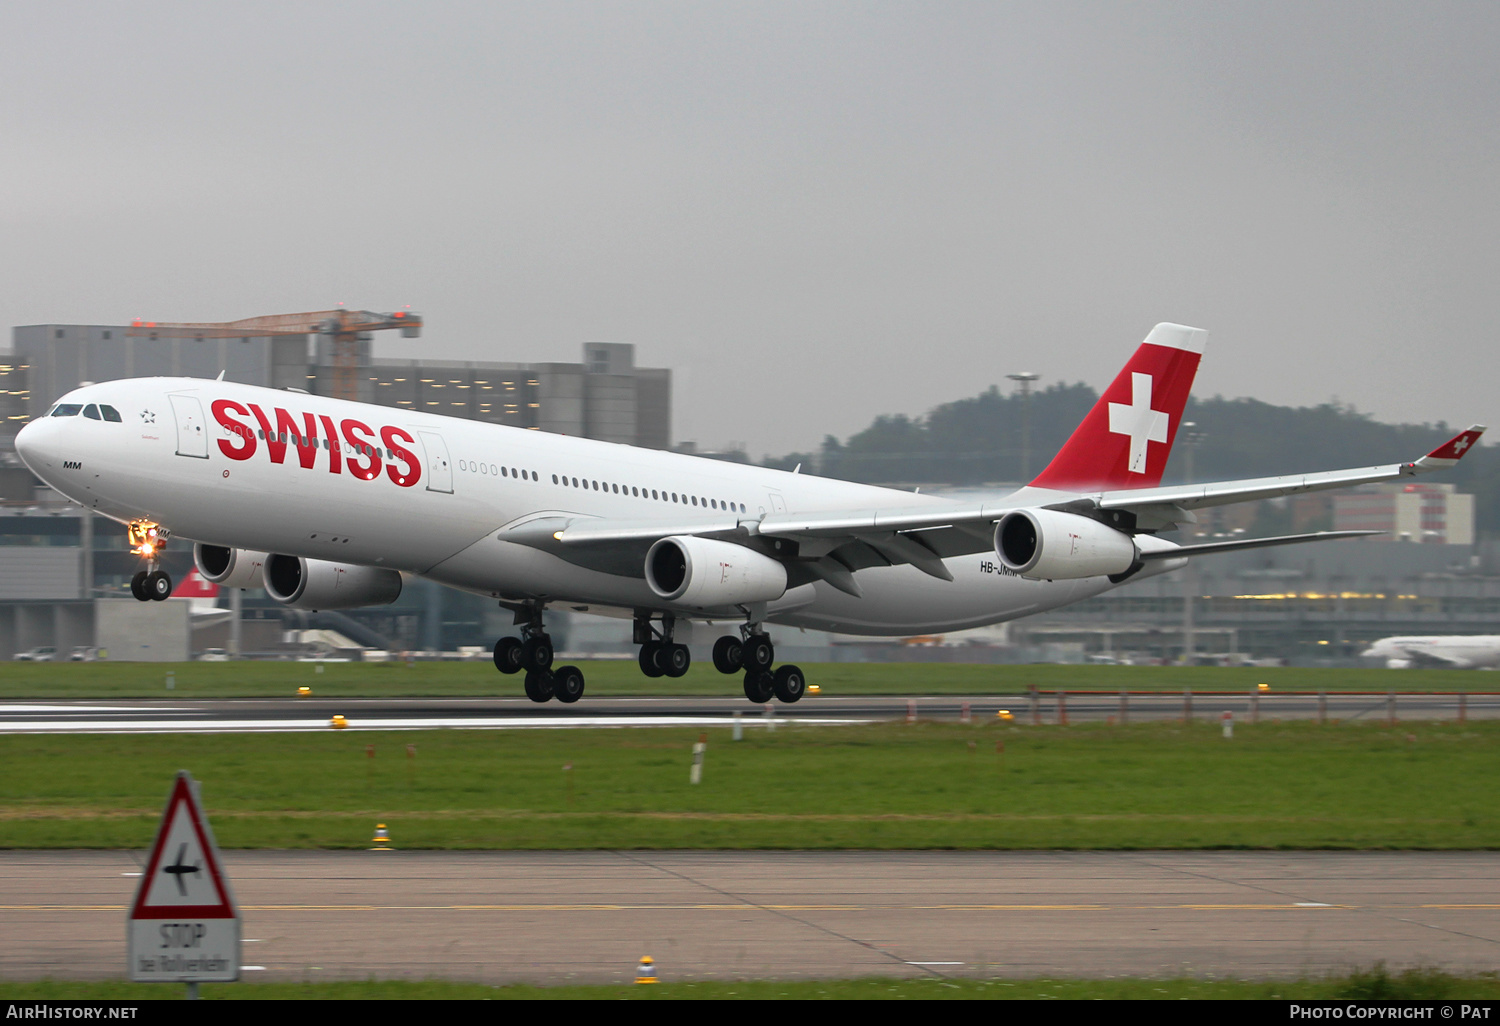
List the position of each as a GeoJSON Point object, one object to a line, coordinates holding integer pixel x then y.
{"type": "Point", "coordinates": [778, 504]}
{"type": "Point", "coordinates": [192, 432]}
{"type": "Point", "coordinates": [439, 467]}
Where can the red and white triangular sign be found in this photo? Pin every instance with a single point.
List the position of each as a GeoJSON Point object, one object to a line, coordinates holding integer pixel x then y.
{"type": "Point", "coordinates": [183, 879]}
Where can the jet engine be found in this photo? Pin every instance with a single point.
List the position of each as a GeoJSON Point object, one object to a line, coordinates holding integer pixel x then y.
{"type": "Point", "coordinates": [229, 568]}
{"type": "Point", "coordinates": [1049, 545]}
{"type": "Point", "coordinates": [303, 583]}
{"type": "Point", "coordinates": [707, 574]}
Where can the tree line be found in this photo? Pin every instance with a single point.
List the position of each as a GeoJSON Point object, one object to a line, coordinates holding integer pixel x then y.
{"type": "Point", "coordinates": [978, 441]}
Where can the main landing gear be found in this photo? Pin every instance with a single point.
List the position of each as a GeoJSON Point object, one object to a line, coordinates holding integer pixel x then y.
{"type": "Point", "coordinates": [660, 655]}
{"type": "Point", "coordinates": [532, 652]}
{"type": "Point", "coordinates": [152, 584]}
{"type": "Point", "coordinates": [752, 652]}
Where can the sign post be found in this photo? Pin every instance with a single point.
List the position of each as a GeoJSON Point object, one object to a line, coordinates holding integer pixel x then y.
{"type": "Point", "coordinates": [183, 926]}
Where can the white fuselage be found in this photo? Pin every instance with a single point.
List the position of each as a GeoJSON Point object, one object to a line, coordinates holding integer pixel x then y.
{"type": "Point", "coordinates": [431, 496]}
{"type": "Point", "coordinates": [1461, 652]}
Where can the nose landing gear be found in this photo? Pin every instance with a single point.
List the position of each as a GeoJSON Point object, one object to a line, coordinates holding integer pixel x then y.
{"type": "Point", "coordinates": [152, 584]}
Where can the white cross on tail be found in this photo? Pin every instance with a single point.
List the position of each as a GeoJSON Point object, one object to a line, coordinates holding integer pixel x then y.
{"type": "Point", "coordinates": [1139, 421]}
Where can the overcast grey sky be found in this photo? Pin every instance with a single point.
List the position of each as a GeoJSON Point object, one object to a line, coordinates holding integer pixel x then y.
{"type": "Point", "coordinates": [814, 212]}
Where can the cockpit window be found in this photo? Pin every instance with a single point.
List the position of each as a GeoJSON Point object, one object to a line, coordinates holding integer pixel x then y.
{"type": "Point", "coordinates": [66, 409]}
{"type": "Point", "coordinates": [91, 411]}
{"type": "Point", "coordinates": [110, 413]}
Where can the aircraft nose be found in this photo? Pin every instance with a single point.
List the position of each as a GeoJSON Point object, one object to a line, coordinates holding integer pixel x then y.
{"type": "Point", "coordinates": [30, 447]}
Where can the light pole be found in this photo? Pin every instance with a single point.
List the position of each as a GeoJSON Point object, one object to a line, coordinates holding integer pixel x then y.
{"type": "Point", "coordinates": [1191, 439]}
{"type": "Point", "coordinates": [1025, 378]}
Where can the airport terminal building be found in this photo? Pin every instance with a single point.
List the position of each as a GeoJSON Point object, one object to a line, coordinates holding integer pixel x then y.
{"type": "Point", "coordinates": [606, 396]}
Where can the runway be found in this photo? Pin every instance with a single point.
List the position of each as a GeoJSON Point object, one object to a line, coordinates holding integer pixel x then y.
{"type": "Point", "coordinates": [552, 917]}
{"type": "Point", "coordinates": [292, 714]}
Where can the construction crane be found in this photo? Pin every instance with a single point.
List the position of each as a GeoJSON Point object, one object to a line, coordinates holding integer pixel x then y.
{"type": "Point", "coordinates": [345, 328]}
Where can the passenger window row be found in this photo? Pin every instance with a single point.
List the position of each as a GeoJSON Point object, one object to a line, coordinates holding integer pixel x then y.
{"type": "Point", "coordinates": [494, 471]}
{"type": "Point", "coordinates": [648, 493]}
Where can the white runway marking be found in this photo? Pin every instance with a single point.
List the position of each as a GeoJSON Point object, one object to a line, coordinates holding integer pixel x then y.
{"type": "Point", "coordinates": [31, 707]}
{"type": "Point", "coordinates": [433, 723]}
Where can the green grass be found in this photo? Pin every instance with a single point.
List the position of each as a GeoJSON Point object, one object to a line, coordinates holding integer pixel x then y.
{"type": "Point", "coordinates": [881, 786]}
{"type": "Point", "coordinates": [622, 677]}
{"type": "Point", "coordinates": [1373, 984]}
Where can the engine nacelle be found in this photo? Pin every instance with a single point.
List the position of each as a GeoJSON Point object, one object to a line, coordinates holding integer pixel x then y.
{"type": "Point", "coordinates": [229, 568]}
{"type": "Point", "coordinates": [1048, 545]}
{"type": "Point", "coordinates": [707, 574]}
{"type": "Point", "coordinates": [303, 583]}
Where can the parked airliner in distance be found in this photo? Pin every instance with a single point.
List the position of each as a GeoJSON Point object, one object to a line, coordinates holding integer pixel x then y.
{"type": "Point", "coordinates": [1445, 651]}
{"type": "Point", "coordinates": [327, 503]}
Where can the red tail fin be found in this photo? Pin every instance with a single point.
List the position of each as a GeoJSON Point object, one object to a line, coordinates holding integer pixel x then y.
{"type": "Point", "coordinates": [1125, 439]}
{"type": "Point", "coordinates": [194, 586]}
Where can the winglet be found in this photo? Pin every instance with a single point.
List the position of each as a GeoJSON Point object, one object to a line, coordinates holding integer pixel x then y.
{"type": "Point", "coordinates": [1451, 451]}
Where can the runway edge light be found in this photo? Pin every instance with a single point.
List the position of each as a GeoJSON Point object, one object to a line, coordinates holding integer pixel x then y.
{"type": "Point", "coordinates": [645, 972]}
{"type": "Point", "coordinates": [382, 838]}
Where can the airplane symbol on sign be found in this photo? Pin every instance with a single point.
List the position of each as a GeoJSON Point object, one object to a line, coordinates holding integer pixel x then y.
{"type": "Point", "coordinates": [180, 868]}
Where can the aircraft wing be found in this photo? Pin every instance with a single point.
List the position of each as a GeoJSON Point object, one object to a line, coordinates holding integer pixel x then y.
{"type": "Point", "coordinates": [1434, 659]}
{"type": "Point", "coordinates": [819, 546]}
{"type": "Point", "coordinates": [1175, 503]}
{"type": "Point", "coordinates": [832, 545]}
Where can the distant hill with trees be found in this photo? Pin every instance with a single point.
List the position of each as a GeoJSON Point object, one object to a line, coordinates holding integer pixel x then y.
{"type": "Point", "coordinates": [978, 441]}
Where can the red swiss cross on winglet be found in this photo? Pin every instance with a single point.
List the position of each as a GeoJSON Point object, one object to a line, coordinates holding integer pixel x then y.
{"type": "Point", "coordinates": [1451, 451]}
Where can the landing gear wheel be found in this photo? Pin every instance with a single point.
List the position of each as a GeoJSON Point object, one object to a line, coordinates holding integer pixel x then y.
{"type": "Point", "coordinates": [138, 586]}
{"type": "Point", "coordinates": [648, 659]}
{"type": "Point", "coordinates": [729, 654]}
{"type": "Point", "coordinates": [158, 586]}
{"type": "Point", "coordinates": [758, 687]}
{"type": "Point", "coordinates": [508, 655]}
{"type": "Point", "coordinates": [674, 660]}
{"type": "Point", "coordinates": [567, 684]}
{"type": "Point", "coordinates": [536, 653]}
{"type": "Point", "coordinates": [538, 686]}
{"type": "Point", "coordinates": [758, 653]}
{"type": "Point", "coordinates": [788, 683]}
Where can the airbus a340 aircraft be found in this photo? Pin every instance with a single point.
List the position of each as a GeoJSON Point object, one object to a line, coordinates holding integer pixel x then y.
{"type": "Point", "coordinates": [327, 503]}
